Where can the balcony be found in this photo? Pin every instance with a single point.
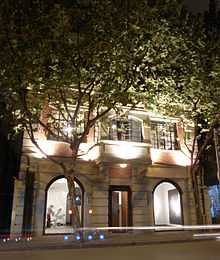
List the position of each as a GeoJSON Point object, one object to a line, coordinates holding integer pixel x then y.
{"type": "Point", "coordinates": [104, 151]}
{"type": "Point", "coordinates": [121, 151]}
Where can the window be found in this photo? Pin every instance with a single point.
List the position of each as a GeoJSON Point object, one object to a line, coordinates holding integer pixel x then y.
{"type": "Point", "coordinates": [126, 129]}
{"type": "Point", "coordinates": [163, 135]}
{"type": "Point", "coordinates": [189, 136]}
{"type": "Point", "coordinates": [58, 123]}
{"type": "Point", "coordinates": [58, 218]}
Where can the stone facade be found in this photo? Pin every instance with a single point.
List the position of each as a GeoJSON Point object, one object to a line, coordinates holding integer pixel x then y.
{"type": "Point", "coordinates": [96, 183]}
{"type": "Point", "coordinates": [118, 166]}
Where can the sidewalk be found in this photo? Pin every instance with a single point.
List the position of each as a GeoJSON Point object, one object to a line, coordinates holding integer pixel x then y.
{"type": "Point", "coordinates": [110, 240]}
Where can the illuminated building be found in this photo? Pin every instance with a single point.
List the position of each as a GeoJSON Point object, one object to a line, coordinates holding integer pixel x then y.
{"type": "Point", "coordinates": [137, 174]}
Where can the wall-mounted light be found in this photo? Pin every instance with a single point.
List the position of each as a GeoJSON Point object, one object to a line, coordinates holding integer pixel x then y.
{"type": "Point", "coordinates": [90, 211]}
{"type": "Point", "coordinates": [123, 165]}
{"type": "Point", "coordinates": [70, 212]}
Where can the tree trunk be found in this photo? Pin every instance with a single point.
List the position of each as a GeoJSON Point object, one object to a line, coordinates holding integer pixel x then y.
{"type": "Point", "coordinates": [197, 195]}
{"type": "Point", "coordinates": [197, 178]}
{"type": "Point", "coordinates": [74, 211]}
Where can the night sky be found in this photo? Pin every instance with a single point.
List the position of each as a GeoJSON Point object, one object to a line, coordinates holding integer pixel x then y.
{"type": "Point", "coordinates": [197, 5]}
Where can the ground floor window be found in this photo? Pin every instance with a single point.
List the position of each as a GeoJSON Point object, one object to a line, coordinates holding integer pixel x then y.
{"type": "Point", "coordinates": [214, 196]}
{"type": "Point", "coordinates": [167, 204]}
{"type": "Point", "coordinates": [57, 219]}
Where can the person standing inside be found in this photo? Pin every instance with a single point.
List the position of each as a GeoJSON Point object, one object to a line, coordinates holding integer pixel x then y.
{"type": "Point", "coordinates": [50, 214]}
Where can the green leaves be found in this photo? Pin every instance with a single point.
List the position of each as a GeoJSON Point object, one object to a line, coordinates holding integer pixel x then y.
{"type": "Point", "coordinates": [103, 55]}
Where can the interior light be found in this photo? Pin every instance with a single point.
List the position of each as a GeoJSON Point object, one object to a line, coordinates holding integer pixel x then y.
{"type": "Point", "coordinates": [123, 165]}
{"type": "Point", "coordinates": [70, 212]}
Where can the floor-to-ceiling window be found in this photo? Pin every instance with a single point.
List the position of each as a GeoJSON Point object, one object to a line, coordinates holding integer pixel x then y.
{"type": "Point", "coordinates": [167, 204]}
{"type": "Point", "coordinates": [57, 217]}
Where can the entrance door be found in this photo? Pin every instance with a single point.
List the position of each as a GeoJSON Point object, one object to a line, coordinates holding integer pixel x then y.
{"type": "Point", "coordinates": [174, 207]}
{"type": "Point", "coordinates": [119, 207]}
{"type": "Point", "coordinates": [115, 209]}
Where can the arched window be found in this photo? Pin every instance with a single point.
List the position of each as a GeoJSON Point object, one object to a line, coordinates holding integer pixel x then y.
{"type": "Point", "coordinates": [57, 217]}
{"type": "Point", "coordinates": [167, 204]}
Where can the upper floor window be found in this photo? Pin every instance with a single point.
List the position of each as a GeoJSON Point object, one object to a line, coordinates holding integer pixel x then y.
{"type": "Point", "coordinates": [189, 137]}
{"type": "Point", "coordinates": [126, 129]}
{"type": "Point", "coordinates": [163, 135]}
{"type": "Point", "coordinates": [61, 125]}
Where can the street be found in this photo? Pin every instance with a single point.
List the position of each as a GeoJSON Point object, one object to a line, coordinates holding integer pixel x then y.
{"type": "Point", "coordinates": [201, 250]}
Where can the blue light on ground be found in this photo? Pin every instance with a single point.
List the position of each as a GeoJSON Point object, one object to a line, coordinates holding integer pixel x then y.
{"type": "Point", "coordinates": [66, 238]}
{"type": "Point", "coordinates": [90, 237]}
{"type": "Point", "coordinates": [101, 236]}
{"type": "Point", "coordinates": [78, 237]}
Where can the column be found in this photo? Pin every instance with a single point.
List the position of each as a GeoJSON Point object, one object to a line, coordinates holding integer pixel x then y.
{"type": "Point", "coordinates": [18, 208]}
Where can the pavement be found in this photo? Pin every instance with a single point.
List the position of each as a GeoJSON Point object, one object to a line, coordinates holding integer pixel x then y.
{"type": "Point", "coordinates": [108, 239]}
{"type": "Point", "coordinates": [199, 250]}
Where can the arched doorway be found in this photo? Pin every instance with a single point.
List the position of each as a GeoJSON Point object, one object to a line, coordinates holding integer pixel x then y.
{"type": "Point", "coordinates": [57, 213]}
{"type": "Point", "coordinates": [167, 204]}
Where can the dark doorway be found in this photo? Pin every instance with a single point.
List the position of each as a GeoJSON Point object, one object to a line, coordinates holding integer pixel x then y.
{"type": "Point", "coordinates": [120, 206]}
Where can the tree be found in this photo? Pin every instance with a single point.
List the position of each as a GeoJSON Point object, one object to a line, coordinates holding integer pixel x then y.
{"type": "Point", "coordinates": [193, 93]}
{"type": "Point", "coordinates": [73, 58]}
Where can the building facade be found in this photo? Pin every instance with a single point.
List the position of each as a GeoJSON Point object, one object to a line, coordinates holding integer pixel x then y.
{"type": "Point", "coordinates": [136, 174]}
